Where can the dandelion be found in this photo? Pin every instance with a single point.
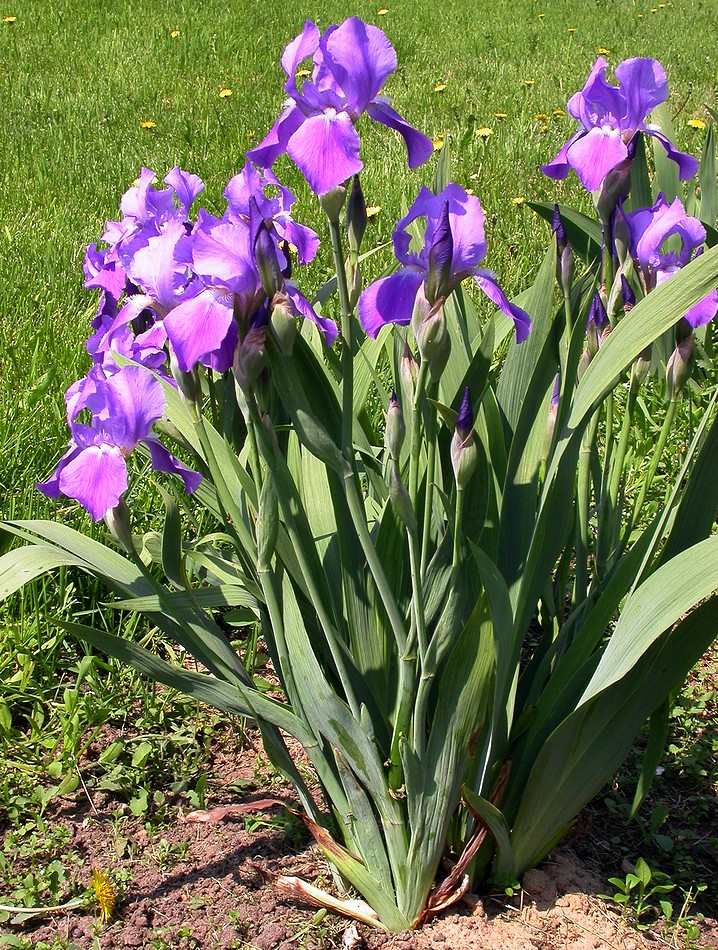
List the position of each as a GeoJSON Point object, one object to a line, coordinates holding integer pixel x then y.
{"type": "Point", "coordinates": [518, 201]}
{"type": "Point", "coordinates": [602, 51]}
{"type": "Point", "coordinates": [697, 124]}
{"type": "Point", "coordinates": [529, 82]}
{"type": "Point", "coordinates": [174, 34]}
{"type": "Point", "coordinates": [439, 87]}
{"type": "Point", "coordinates": [540, 117]}
{"type": "Point", "coordinates": [9, 18]}
{"type": "Point", "coordinates": [148, 124]}
{"type": "Point", "coordinates": [438, 143]}
{"type": "Point", "coordinates": [104, 894]}
{"type": "Point", "coordinates": [500, 115]}
{"type": "Point", "coordinates": [373, 210]}
{"type": "Point", "coordinates": [544, 128]}
{"type": "Point", "coordinates": [541, 16]}
{"type": "Point", "coordinates": [225, 93]}
{"type": "Point", "coordinates": [382, 12]}
{"type": "Point", "coordinates": [303, 73]}
{"type": "Point", "coordinates": [484, 132]}
{"type": "Point", "coordinates": [571, 30]}
{"type": "Point", "coordinates": [557, 113]}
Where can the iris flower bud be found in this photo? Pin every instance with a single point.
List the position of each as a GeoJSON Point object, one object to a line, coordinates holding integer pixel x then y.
{"type": "Point", "coordinates": [395, 429]}
{"type": "Point", "coordinates": [356, 216]}
{"type": "Point", "coordinates": [615, 185]}
{"type": "Point", "coordinates": [629, 298]}
{"type": "Point", "coordinates": [400, 500]}
{"type": "Point", "coordinates": [680, 365]}
{"type": "Point", "coordinates": [464, 454]}
{"type": "Point", "coordinates": [282, 323]}
{"type": "Point", "coordinates": [117, 520]}
{"type": "Point", "coordinates": [564, 254]}
{"type": "Point", "coordinates": [597, 323]}
{"type": "Point", "coordinates": [332, 202]}
{"type": "Point", "coordinates": [427, 322]}
{"type": "Point", "coordinates": [265, 254]}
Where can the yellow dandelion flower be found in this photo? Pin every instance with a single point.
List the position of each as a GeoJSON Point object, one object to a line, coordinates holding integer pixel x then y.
{"type": "Point", "coordinates": [541, 16]}
{"type": "Point", "coordinates": [697, 124]}
{"type": "Point", "coordinates": [382, 12]}
{"type": "Point", "coordinates": [544, 128]}
{"type": "Point", "coordinates": [529, 82]}
{"type": "Point", "coordinates": [251, 134]}
{"type": "Point", "coordinates": [602, 51]}
{"type": "Point", "coordinates": [373, 210]}
{"type": "Point", "coordinates": [470, 191]}
{"type": "Point", "coordinates": [104, 894]}
{"type": "Point", "coordinates": [303, 73]}
{"type": "Point", "coordinates": [571, 30]}
{"type": "Point", "coordinates": [483, 132]}
{"type": "Point", "coordinates": [557, 113]}
{"type": "Point", "coordinates": [500, 115]}
{"type": "Point", "coordinates": [174, 34]}
{"type": "Point", "coordinates": [518, 200]}
{"type": "Point", "coordinates": [540, 117]}
{"type": "Point", "coordinates": [9, 18]}
{"type": "Point", "coordinates": [148, 124]}
{"type": "Point", "coordinates": [439, 87]}
{"type": "Point", "coordinates": [438, 143]}
{"type": "Point", "coordinates": [661, 6]}
{"type": "Point", "coordinates": [225, 93]}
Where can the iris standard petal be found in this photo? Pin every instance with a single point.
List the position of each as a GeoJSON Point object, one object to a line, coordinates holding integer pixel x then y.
{"type": "Point", "coordinates": [326, 150]}
{"type": "Point", "coordinates": [222, 255]}
{"type": "Point", "coordinates": [186, 187]}
{"type": "Point", "coordinates": [300, 47]}
{"type": "Point", "coordinates": [360, 57]}
{"type": "Point", "coordinates": [389, 299]}
{"type": "Point", "coordinates": [522, 322]}
{"type": "Point", "coordinates": [643, 86]}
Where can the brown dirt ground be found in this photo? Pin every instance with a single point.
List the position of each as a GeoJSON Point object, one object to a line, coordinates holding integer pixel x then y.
{"type": "Point", "coordinates": [198, 885]}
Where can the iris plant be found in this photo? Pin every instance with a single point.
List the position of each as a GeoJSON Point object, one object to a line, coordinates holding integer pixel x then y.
{"type": "Point", "coordinates": [316, 129]}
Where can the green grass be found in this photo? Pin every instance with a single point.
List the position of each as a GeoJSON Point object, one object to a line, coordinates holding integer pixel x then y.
{"type": "Point", "coordinates": [80, 76]}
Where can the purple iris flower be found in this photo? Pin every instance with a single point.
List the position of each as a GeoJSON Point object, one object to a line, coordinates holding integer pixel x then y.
{"type": "Point", "coordinates": [94, 470]}
{"type": "Point", "coordinates": [610, 117]}
{"type": "Point", "coordinates": [656, 255]}
{"type": "Point", "coordinates": [443, 262]}
{"type": "Point", "coordinates": [316, 129]}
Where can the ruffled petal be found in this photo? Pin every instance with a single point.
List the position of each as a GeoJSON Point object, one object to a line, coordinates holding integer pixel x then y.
{"type": "Point", "coordinates": [135, 400]}
{"type": "Point", "coordinates": [199, 326]}
{"type": "Point", "coordinates": [326, 150]}
{"type": "Point", "coordinates": [186, 187]}
{"type": "Point", "coordinates": [96, 477]}
{"type": "Point", "coordinates": [487, 282]}
{"type": "Point", "coordinates": [643, 85]}
{"type": "Point", "coordinates": [301, 46]}
{"type": "Point", "coordinates": [390, 299]}
{"type": "Point", "coordinates": [360, 57]}
{"type": "Point", "coordinates": [419, 147]}
{"type": "Point", "coordinates": [594, 154]}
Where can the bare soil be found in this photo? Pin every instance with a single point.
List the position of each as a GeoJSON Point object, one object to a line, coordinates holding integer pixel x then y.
{"type": "Point", "coordinates": [193, 884]}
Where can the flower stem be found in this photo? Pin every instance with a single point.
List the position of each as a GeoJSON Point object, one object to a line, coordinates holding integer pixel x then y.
{"type": "Point", "coordinates": [347, 342]}
{"type": "Point", "coordinates": [655, 461]}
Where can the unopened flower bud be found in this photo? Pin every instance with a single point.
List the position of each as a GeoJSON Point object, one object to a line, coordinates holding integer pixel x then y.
{"type": "Point", "coordinates": [441, 351]}
{"type": "Point", "coordinates": [282, 323]}
{"type": "Point", "coordinates": [680, 366]}
{"type": "Point", "coordinates": [559, 230]}
{"type": "Point", "coordinates": [400, 500]}
{"type": "Point", "coordinates": [441, 253]}
{"type": "Point", "coordinates": [621, 236]}
{"type": "Point", "coordinates": [629, 298]}
{"type": "Point", "coordinates": [354, 282]}
{"type": "Point", "coordinates": [427, 322]}
{"type": "Point", "coordinates": [117, 520]}
{"type": "Point", "coordinates": [189, 386]}
{"type": "Point", "coordinates": [395, 430]}
{"type": "Point", "coordinates": [267, 524]}
{"type": "Point", "coordinates": [564, 254]}
{"type": "Point", "coordinates": [597, 322]}
{"type": "Point", "coordinates": [356, 216]}
{"type": "Point", "coordinates": [332, 202]}
{"type": "Point", "coordinates": [250, 356]}
{"type": "Point", "coordinates": [409, 370]}
{"type": "Point", "coordinates": [642, 365]}
{"type": "Point", "coordinates": [265, 254]}
{"type": "Point", "coordinates": [464, 453]}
